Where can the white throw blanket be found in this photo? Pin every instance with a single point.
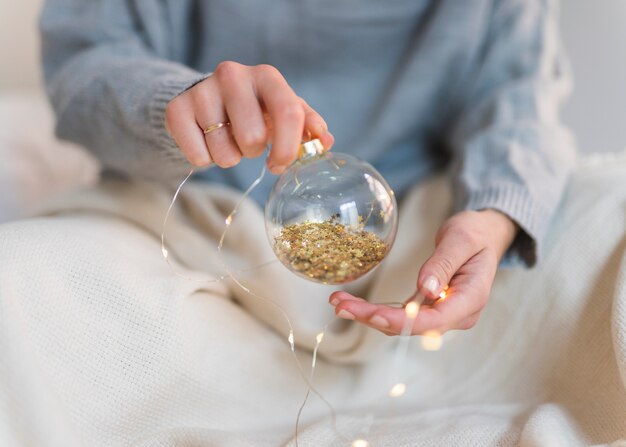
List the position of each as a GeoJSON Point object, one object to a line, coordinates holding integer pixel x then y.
{"type": "Point", "coordinates": [101, 345]}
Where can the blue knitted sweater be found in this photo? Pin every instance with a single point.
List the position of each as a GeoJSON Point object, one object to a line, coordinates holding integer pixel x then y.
{"type": "Point", "coordinates": [412, 86]}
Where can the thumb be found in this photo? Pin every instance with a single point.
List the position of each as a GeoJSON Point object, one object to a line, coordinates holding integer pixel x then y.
{"type": "Point", "coordinates": [455, 246]}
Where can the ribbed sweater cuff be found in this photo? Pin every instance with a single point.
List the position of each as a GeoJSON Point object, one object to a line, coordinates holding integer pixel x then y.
{"type": "Point", "coordinates": [532, 217]}
{"type": "Point", "coordinates": [169, 88]}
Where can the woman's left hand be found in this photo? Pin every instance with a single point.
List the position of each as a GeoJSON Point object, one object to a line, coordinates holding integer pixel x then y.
{"type": "Point", "coordinates": [469, 246]}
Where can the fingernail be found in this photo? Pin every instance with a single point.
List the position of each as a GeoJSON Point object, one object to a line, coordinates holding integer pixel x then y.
{"type": "Point", "coordinates": [379, 321]}
{"type": "Point", "coordinates": [432, 285]}
{"type": "Point", "coordinates": [345, 315]}
{"type": "Point", "coordinates": [201, 159]}
{"type": "Point", "coordinates": [335, 301]}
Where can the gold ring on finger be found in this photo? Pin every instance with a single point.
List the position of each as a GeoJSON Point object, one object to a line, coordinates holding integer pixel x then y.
{"type": "Point", "coordinates": [216, 126]}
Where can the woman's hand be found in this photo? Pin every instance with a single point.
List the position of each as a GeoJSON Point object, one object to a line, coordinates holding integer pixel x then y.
{"type": "Point", "coordinates": [469, 246]}
{"type": "Point", "coordinates": [260, 106]}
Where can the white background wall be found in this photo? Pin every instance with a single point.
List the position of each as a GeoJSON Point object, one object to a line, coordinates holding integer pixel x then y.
{"type": "Point", "coordinates": [19, 46]}
{"type": "Point", "coordinates": [594, 34]}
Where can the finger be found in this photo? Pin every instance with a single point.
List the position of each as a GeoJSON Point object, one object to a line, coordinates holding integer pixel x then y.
{"type": "Point", "coordinates": [356, 309]}
{"type": "Point", "coordinates": [287, 114]}
{"type": "Point", "coordinates": [209, 110]}
{"type": "Point", "coordinates": [371, 314]}
{"type": "Point", "coordinates": [339, 296]}
{"type": "Point", "coordinates": [181, 123]}
{"type": "Point", "coordinates": [360, 309]}
{"type": "Point", "coordinates": [386, 319]}
{"type": "Point", "coordinates": [379, 316]}
{"type": "Point", "coordinates": [350, 307]}
{"type": "Point", "coordinates": [315, 124]}
{"type": "Point", "coordinates": [245, 113]}
{"type": "Point", "coordinates": [269, 126]}
{"type": "Point", "coordinates": [395, 320]}
{"type": "Point", "coordinates": [454, 247]}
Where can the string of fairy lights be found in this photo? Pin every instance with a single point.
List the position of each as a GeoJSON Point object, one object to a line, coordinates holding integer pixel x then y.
{"type": "Point", "coordinates": [430, 341]}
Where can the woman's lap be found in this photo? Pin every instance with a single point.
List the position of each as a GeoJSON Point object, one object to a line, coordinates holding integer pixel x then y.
{"type": "Point", "coordinates": [102, 343]}
{"type": "Point", "coordinates": [93, 319]}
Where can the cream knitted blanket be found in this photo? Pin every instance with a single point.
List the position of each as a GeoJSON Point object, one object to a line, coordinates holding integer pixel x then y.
{"type": "Point", "coordinates": [101, 345]}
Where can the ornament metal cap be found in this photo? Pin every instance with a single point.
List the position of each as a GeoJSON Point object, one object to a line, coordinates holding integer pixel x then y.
{"type": "Point", "coordinates": [310, 148]}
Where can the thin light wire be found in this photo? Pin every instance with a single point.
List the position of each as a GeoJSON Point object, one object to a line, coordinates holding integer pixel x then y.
{"type": "Point", "coordinates": [400, 355]}
{"type": "Point", "coordinates": [401, 350]}
{"type": "Point", "coordinates": [165, 251]}
{"type": "Point", "coordinates": [229, 274]}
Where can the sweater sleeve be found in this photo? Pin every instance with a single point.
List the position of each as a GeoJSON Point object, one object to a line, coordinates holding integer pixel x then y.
{"type": "Point", "coordinates": [109, 72]}
{"type": "Point", "coordinates": [512, 153]}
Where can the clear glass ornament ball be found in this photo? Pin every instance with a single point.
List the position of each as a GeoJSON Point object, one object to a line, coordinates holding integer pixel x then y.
{"type": "Point", "coordinates": [331, 217]}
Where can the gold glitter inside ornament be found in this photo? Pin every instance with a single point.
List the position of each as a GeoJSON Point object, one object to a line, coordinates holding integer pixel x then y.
{"type": "Point", "coordinates": [330, 217]}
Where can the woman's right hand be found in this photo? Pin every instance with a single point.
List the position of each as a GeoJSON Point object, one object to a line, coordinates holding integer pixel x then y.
{"type": "Point", "coordinates": [260, 106]}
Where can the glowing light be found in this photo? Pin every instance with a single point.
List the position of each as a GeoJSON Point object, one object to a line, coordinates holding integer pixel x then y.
{"type": "Point", "coordinates": [290, 338]}
{"type": "Point", "coordinates": [229, 219]}
{"type": "Point", "coordinates": [411, 309]}
{"type": "Point", "coordinates": [319, 337]}
{"type": "Point", "coordinates": [443, 295]}
{"type": "Point", "coordinates": [397, 390]}
{"type": "Point", "coordinates": [431, 341]}
{"type": "Point", "coordinates": [360, 443]}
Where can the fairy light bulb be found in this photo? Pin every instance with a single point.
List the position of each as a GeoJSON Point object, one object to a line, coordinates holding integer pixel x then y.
{"type": "Point", "coordinates": [431, 341]}
{"type": "Point", "coordinates": [319, 337]}
{"type": "Point", "coordinates": [397, 390]}
{"type": "Point", "coordinates": [330, 218]}
{"type": "Point", "coordinates": [411, 309]}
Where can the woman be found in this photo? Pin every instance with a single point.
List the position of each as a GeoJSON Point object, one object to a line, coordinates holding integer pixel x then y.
{"type": "Point", "coordinates": [411, 87]}
{"type": "Point", "coordinates": [135, 355]}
